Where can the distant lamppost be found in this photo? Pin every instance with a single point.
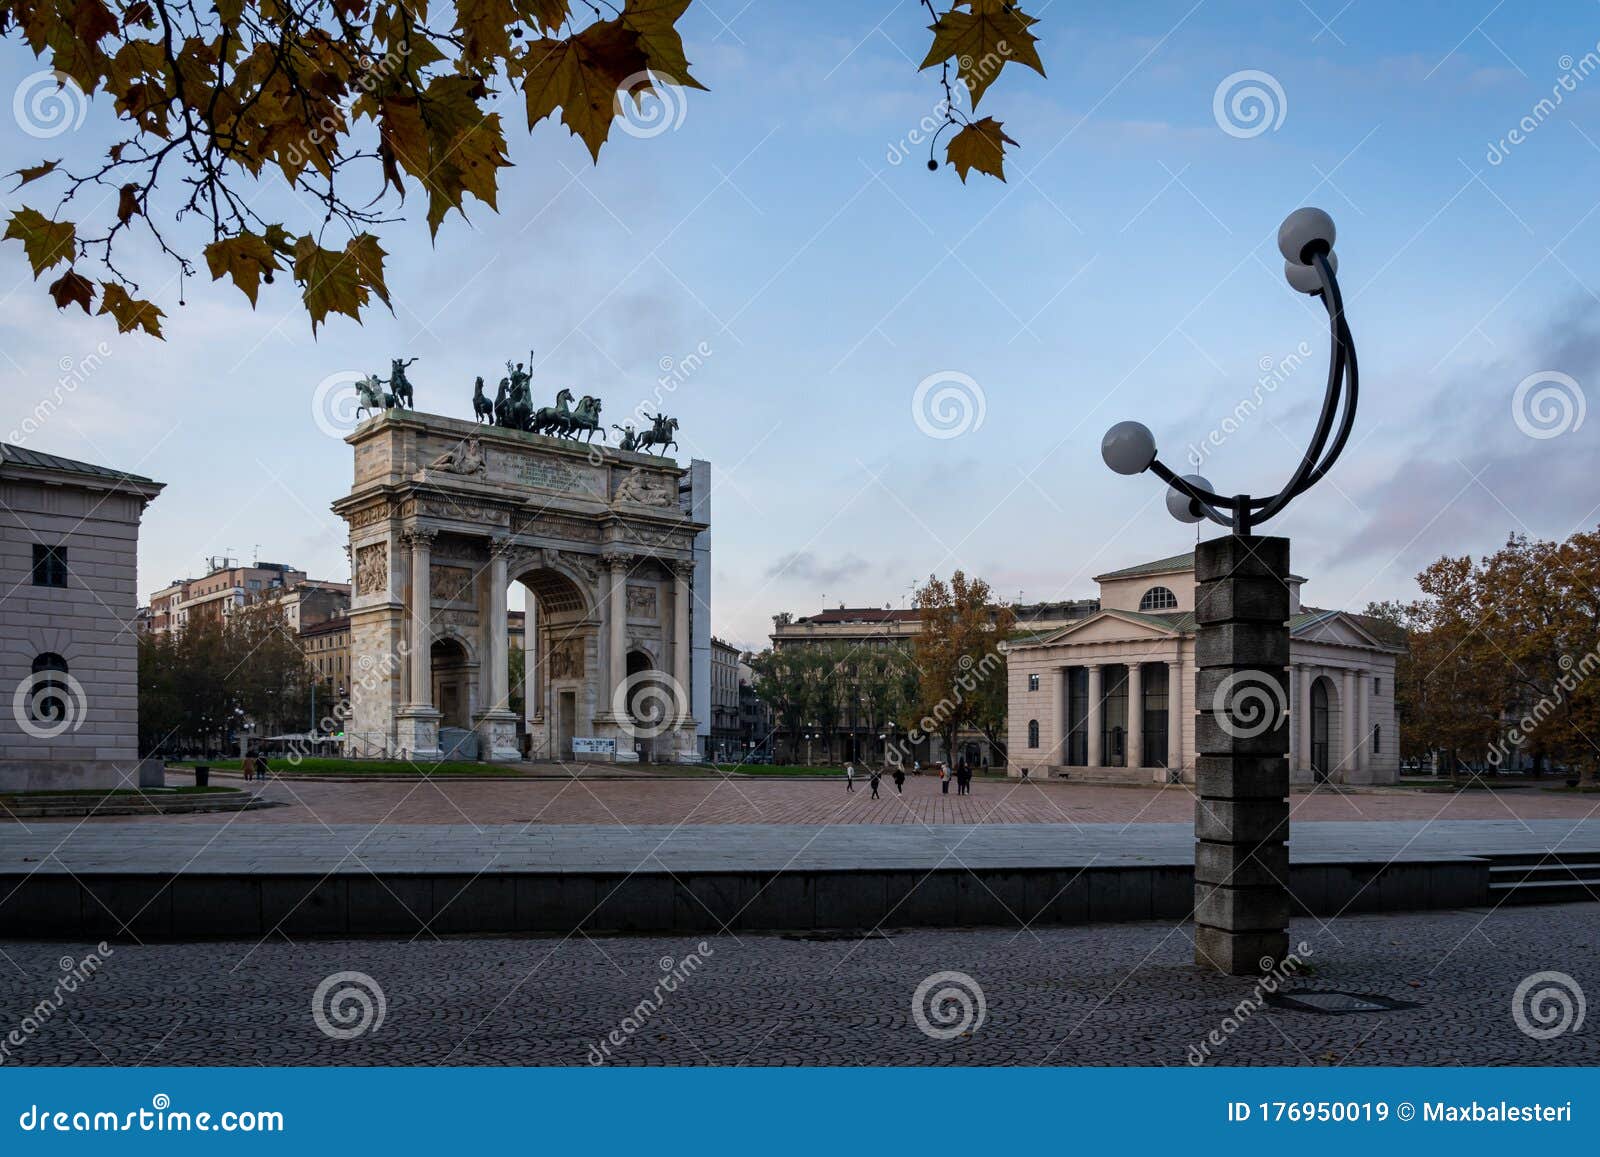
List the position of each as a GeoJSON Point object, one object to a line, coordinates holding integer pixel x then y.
{"type": "Point", "coordinates": [1242, 647]}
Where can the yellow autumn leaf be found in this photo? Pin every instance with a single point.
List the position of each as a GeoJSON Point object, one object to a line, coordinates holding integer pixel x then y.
{"type": "Point", "coordinates": [244, 258]}
{"type": "Point", "coordinates": [580, 76]}
{"type": "Point", "coordinates": [980, 145]}
{"type": "Point", "coordinates": [130, 313]}
{"type": "Point", "coordinates": [982, 42]}
{"type": "Point", "coordinates": [46, 242]}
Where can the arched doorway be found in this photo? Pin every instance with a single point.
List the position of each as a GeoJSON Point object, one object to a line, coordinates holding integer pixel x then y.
{"type": "Point", "coordinates": [559, 660]}
{"type": "Point", "coordinates": [452, 683]}
{"type": "Point", "coordinates": [1321, 730]}
{"type": "Point", "coordinates": [650, 704]}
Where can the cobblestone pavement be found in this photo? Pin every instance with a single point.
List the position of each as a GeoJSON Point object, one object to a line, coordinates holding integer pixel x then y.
{"type": "Point", "coordinates": [1118, 994]}
{"type": "Point", "coordinates": [790, 801]}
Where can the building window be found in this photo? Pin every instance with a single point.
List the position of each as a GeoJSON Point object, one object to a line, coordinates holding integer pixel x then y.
{"type": "Point", "coordinates": [1033, 682]}
{"type": "Point", "coordinates": [49, 700]}
{"type": "Point", "coordinates": [49, 565]}
{"type": "Point", "coordinates": [1377, 685]}
{"type": "Point", "coordinates": [1377, 741]}
{"type": "Point", "coordinates": [1033, 733]}
{"type": "Point", "coordinates": [1158, 599]}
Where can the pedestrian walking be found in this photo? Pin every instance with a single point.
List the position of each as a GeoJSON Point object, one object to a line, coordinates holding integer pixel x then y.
{"type": "Point", "coordinates": [899, 780]}
{"type": "Point", "coordinates": [916, 767]}
{"type": "Point", "coordinates": [849, 777]}
{"type": "Point", "coordinates": [877, 774]}
{"type": "Point", "coordinates": [963, 777]}
{"type": "Point", "coordinates": [944, 779]}
{"type": "Point", "coordinates": [248, 765]}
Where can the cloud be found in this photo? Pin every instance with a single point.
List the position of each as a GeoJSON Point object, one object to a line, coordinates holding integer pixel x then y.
{"type": "Point", "coordinates": [1472, 470]}
{"type": "Point", "coordinates": [805, 566]}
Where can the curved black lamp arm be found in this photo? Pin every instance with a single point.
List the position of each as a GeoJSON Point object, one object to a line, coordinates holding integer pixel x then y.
{"type": "Point", "coordinates": [1343, 385]}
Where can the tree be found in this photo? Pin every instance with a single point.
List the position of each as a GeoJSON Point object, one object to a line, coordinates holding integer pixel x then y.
{"type": "Point", "coordinates": [369, 94]}
{"type": "Point", "coordinates": [516, 680]}
{"type": "Point", "coordinates": [957, 653]}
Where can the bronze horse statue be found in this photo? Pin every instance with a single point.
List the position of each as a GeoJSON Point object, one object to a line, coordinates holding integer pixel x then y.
{"type": "Point", "coordinates": [659, 434]}
{"type": "Point", "coordinates": [482, 407]}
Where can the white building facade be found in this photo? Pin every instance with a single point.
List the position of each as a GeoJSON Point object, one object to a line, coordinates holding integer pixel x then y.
{"type": "Point", "coordinates": [1111, 698]}
{"type": "Point", "coordinates": [69, 661]}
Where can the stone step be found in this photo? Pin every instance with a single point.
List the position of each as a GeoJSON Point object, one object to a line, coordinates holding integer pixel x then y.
{"type": "Point", "coordinates": [1544, 891]}
{"type": "Point", "coordinates": [1586, 869]}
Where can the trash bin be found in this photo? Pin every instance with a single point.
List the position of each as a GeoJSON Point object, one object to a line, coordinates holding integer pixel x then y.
{"type": "Point", "coordinates": [202, 775]}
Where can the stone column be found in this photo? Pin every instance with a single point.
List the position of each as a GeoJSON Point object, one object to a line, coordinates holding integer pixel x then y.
{"type": "Point", "coordinates": [1242, 774]}
{"type": "Point", "coordinates": [617, 658]}
{"type": "Point", "coordinates": [421, 618]}
{"type": "Point", "coordinates": [1096, 756]}
{"type": "Point", "coordinates": [682, 645]}
{"type": "Point", "coordinates": [1135, 744]}
{"type": "Point", "coordinates": [1058, 716]}
{"type": "Point", "coordinates": [417, 723]}
{"type": "Point", "coordinates": [497, 724]}
{"type": "Point", "coordinates": [1308, 676]}
{"type": "Point", "coordinates": [1364, 723]}
{"type": "Point", "coordinates": [1175, 703]}
{"type": "Point", "coordinates": [1347, 725]}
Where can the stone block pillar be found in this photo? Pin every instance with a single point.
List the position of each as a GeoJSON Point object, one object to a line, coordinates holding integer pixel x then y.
{"type": "Point", "coordinates": [1242, 739]}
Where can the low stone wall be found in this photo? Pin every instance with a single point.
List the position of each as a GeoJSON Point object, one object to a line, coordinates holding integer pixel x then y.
{"type": "Point", "coordinates": [195, 906]}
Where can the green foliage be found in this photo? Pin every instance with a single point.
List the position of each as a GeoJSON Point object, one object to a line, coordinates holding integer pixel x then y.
{"type": "Point", "coordinates": [194, 683]}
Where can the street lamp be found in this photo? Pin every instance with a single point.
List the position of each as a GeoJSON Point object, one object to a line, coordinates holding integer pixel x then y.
{"type": "Point", "coordinates": [1306, 241]}
{"type": "Point", "coordinates": [1241, 610]}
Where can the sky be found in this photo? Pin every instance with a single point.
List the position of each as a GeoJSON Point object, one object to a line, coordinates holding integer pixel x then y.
{"type": "Point", "coordinates": [895, 374]}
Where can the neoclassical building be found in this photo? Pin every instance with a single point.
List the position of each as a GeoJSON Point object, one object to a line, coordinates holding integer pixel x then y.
{"type": "Point", "coordinates": [1110, 698]}
{"type": "Point", "coordinates": [69, 662]}
{"type": "Point", "coordinates": [444, 516]}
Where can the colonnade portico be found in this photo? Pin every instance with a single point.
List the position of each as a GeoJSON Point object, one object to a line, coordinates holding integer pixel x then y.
{"type": "Point", "coordinates": [1350, 733]}
{"type": "Point", "coordinates": [1079, 728]}
{"type": "Point", "coordinates": [444, 516]}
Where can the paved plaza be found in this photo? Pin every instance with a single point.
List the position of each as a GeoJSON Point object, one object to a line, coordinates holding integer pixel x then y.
{"type": "Point", "coordinates": [1124, 994]}
{"type": "Point", "coordinates": [675, 800]}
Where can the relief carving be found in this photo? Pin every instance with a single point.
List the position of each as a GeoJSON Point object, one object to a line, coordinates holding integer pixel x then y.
{"type": "Point", "coordinates": [449, 584]}
{"type": "Point", "coordinates": [372, 569]}
{"type": "Point", "coordinates": [566, 659]}
{"type": "Point", "coordinates": [641, 602]}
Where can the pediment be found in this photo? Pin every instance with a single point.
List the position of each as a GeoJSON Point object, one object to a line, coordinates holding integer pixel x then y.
{"type": "Point", "coordinates": [1340, 630]}
{"type": "Point", "coordinates": [1108, 627]}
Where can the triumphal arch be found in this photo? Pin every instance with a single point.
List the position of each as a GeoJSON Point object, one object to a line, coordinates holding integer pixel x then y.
{"type": "Point", "coordinates": [444, 516]}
